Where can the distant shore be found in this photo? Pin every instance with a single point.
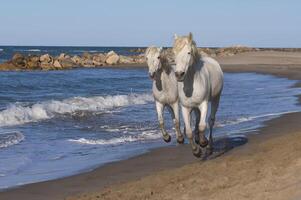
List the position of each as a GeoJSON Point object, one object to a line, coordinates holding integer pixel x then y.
{"type": "Point", "coordinates": [265, 165]}
{"type": "Point", "coordinates": [40, 61]}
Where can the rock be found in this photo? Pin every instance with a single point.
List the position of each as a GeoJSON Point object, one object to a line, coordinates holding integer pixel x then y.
{"type": "Point", "coordinates": [61, 56]}
{"type": "Point", "coordinates": [100, 58]}
{"type": "Point", "coordinates": [46, 62]}
{"type": "Point", "coordinates": [47, 66]}
{"type": "Point", "coordinates": [19, 61]}
{"type": "Point", "coordinates": [77, 60]}
{"type": "Point", "coordinates": [33, 62]}
{"type": "Point", "coordinates": [46, 58]}
{"type": "Point", "coordinates": [8, 66]}
{"type": "Point", "coordinates": [87, 56]}
{"type": "Point", "coordinates": [87, 63]}
{"type": "Point", "coordinates": [138, 50]}
{"type": "Point", "coordinates": [112, 58]}
{"type": "Point", "coordinates": [97, 64]}
{"type": "Point", "coordinates": [67, 63]}
{"type": "Point", "coordinates": [57, 64]}
{"type": "Point", "coordinates": [125, 60]}
{"type": "Point", "coordinates": [140, 59]}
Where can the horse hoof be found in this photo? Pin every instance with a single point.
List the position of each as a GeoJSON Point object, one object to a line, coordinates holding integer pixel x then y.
{"type": "Point", "coordinates": [197, 152]}
{"type": "Point", "coordinates": [204, 143]}
{"type": "Point", "coordinates": [180, 140]}
{"type": "Point", "coordinates": [209, 150]}
{"type": "Point", "coordinates": [197, 140]}
{"type": "Point", "coordinates": [167, 138]}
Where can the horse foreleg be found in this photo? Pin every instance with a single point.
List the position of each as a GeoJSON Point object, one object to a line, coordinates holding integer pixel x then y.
{"type": "Point", "coordinates": [175, 116]}
{"type": "Point", "coordinates": [186, 116]}
{"type": "Point", "coordinates": [196, 128]}
{"type": "Point", "coordinates": [160, 108]}
{"type": "Point", "coordinates": [202, 124]}
{"type": "Point", "coordinates": [214, 107]}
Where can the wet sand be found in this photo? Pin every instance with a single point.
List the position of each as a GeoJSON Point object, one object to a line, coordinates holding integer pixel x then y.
{"type": "Point", "coordinates": [265, 165]}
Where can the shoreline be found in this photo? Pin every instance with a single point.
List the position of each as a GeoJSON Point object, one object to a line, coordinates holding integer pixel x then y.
{"type": "Point", "coordinates": [121, 174]}
{"type": "Point", "coordinates": [63, 61]}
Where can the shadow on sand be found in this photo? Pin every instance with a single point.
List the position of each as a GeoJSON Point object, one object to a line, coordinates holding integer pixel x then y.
{"type": "Point", "coordinates": [223, 145]}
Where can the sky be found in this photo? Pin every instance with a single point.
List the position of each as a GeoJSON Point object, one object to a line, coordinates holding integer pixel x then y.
{"type": "Point", "coordinates": [214, 23]}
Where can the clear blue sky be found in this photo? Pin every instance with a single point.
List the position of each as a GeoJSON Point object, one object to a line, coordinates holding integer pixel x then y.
{"type": "Point", "coordinates": [261, 23]}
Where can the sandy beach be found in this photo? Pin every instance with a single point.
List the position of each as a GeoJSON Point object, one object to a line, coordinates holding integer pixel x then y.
{"type": "Point", "coordinates": [264, 165]}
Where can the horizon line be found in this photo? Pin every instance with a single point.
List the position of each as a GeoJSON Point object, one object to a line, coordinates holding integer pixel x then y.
{"type": "Point", "coordinates": [263, 47]}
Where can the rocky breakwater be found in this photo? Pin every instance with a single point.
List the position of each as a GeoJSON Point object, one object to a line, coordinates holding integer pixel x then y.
{"type": "Point", "coordinates": [64, 61]}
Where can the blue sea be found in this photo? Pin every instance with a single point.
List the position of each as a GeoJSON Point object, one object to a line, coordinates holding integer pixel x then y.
{"type": "Point", "coordinates": [58, 123]}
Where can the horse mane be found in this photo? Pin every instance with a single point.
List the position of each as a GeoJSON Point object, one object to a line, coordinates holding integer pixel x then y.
{"type": "Point", "coordinates": [163, 57]}
{"type": "Point", "coordinates": [181, 41]}
{"type": "Point", "coordinates": [150, 50]}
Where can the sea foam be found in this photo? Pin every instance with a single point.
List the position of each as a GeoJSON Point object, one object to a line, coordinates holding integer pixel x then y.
{"type": "Point", "coordinates": [16, 114]}
{"type": "Point", "coordinates": [145, 135]}
{"type": "Point", "coordinates": [33, 50]}
{"type": "Point", "coordinates": [10, 138]}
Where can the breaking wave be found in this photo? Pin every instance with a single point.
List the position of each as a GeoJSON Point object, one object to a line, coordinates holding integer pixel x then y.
{"type": "Point", "coordinates": [17, 114]}
{"type": "Point", "coordinates": [11, 138]}
{"type": "Point", "coordinates": [146, 135]}
{"type": "Point", "coordinates": [32, 50]}
{"type": "Point", "coordinates": [251, 118]}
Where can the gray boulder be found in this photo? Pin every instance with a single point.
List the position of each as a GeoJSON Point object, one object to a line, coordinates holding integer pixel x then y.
{"type": "Point", "coordinates": [33, 62]}
{"type": "Point", "coordinates": [46, 58]}
{"type": "Point", "coordinates": [125, 60]}
{"type": "Point", "coordinates": [19, 61]}
{"type": "Point", "coordinates": [112, 58]}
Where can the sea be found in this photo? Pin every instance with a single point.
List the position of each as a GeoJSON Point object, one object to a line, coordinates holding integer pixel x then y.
{"type": "Point", "coordinates": [59, 123]}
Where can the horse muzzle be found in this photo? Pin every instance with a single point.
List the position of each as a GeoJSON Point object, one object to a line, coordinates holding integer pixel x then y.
{"type": "Point", "coordinates": [151, 75]}
{"type": "Point", "coordinates": [180, 76]}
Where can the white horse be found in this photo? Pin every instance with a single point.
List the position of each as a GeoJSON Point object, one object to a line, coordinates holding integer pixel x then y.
{"type": "Point", "coordinates": [200, 82]}
{"type": "Point", "coordinates": [165, 90]}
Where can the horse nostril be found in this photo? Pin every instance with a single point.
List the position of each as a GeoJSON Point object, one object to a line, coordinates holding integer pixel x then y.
{"type": "Point", "coordinates": [180, 74]}
{"type": "Point", "coordinates": [151, 75]}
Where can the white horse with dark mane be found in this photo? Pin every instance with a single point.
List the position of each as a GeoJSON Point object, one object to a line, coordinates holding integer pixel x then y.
{"type": "Point", "coordinates": [165, 90]}
{"type": "Point", "coordinates": [200, 82]}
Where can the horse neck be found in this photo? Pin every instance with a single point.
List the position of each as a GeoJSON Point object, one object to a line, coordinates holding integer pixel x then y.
{"type": "Point", "coordinates": [166, 68]}
{"type": "Point", "coordinates": [162, 77]}
{"type": "Point", "coordinates": [195, 66]}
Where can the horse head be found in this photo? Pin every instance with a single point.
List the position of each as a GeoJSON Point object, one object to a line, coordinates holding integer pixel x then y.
{"type": "Point", "coordinates": [186, 54]}
{"type": "Point", "coordinates": [153, 58]}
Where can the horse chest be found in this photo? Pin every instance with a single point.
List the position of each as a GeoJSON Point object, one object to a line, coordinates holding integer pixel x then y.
{"type": "Point", "coordinates": [192, 98]}
{"type": "Point", "coordinates": [168, 93]}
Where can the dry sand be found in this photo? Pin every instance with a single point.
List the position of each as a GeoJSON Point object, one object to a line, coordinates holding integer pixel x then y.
{"type": "Point", "coordinates": [267, 166]}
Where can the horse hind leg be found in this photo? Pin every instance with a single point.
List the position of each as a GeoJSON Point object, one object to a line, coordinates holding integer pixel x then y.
{"type": "Point", "coordinates": [202, 124]}
{"type": "Point", "coordinates": [160, 108]}
{"type": "Point", "coordinates": [214, 108]}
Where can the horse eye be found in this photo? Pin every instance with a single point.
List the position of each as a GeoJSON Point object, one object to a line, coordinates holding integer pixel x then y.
{"type": "Point", "coordinates": [189, 53]}
{"type": "Point", "coordinates": [158, 57]}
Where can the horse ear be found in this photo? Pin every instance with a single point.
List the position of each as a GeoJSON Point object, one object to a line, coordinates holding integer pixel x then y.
{"type": "Point", "coordinates": [175, 36]}
{"type": "Point", "coordinates": [190, 37]}
{"type": "Point", "coordinates": [146, 51]}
